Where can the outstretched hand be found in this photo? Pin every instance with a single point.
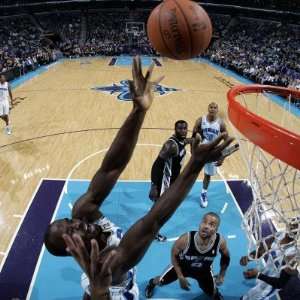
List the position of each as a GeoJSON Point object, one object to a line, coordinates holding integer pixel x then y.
{"type": "Point", "coordinates": [97, 269]}
{"type": "Point", "coordinates": [77, 248]}
{"type": "Point", "coordinates": [141, 87]}
{"type": "Point", "coordinates": [210, 152]}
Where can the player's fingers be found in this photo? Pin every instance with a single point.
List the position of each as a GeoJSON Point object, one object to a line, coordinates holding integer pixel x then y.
{"type": "Point", "coordinates": [131, 86]}
{"type": "Point", "coordinates": [216, 141]}
{"type": "Point", "coordinates": [139, 66]}
{"type": "Point", "coordinates": [149, 72]}
{"type": "Point", "coordinates": [81, 246]}
{"type": "Point", "coordinates": [134, 70]}
{"type": "Point", "coordinates": [69, 243]}
{"type": "Point", "coordinates": [106, 270]}
{"type": "Point", "coordinates": [225, 144]}
{"type": "Point", "coordinates": [94, 258]}
{"type": "Point", "coordinates": [94, 250]}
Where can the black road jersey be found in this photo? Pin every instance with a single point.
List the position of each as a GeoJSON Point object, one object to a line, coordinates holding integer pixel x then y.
{"type": "Point", "coordinates": [168, 170]}
{"type": "Point", "coordinates": [193, 258]}
{"type": "Point", "coordinates": [177, 161]}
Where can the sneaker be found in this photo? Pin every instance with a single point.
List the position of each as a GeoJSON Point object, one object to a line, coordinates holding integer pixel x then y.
{"type": "Point", "coordinates": [161, 238]}
{"type": "Point", "coordinates": [7, 130]}
{"type": "Point", "coordinates": [149, 289]}
{"type": "Point", "coordinates": [203, 200]}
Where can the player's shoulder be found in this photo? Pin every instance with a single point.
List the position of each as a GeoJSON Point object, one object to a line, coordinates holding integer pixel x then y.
{"type": "Point", "coordinates": [172, 143]}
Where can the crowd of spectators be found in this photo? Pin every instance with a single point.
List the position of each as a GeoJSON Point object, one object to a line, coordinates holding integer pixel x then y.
{"type": "Point", "coordinates": [263, 51]}
{"type": "Point", "coordinates": [266, 52]}
{"type": "Point", "coordinates": [108, 33]}
{"type": "Point", "coordinates": [20, 47]}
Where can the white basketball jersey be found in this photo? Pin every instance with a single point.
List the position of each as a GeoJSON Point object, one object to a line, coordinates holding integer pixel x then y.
{"type": "Point", "coordinates": [4, 92]}
{"type": "Point", "coordinates": [210, 130]}
{"type": "Point", "coordinates": [127, 289]}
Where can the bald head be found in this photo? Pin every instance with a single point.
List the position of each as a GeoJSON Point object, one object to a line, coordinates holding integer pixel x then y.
{"type": "Point", "coordinates": [53, 239]}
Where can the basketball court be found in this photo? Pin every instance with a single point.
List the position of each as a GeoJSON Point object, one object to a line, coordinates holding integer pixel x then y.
{"type": "Point", "coordinates": [65, 120]}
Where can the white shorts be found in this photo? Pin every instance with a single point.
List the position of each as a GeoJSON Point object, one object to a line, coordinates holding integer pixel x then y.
{"type": "Point", "coordinates": [210, 169]}
{"type": "Point", "coordinates": [4, 108]}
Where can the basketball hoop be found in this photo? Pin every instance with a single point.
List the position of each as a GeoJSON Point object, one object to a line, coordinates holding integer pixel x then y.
{"type": "Point", "coordinates": [272, 155]}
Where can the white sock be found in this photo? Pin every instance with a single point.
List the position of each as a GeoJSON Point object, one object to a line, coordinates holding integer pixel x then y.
{"type": "Point", "coordinates": [204, 191]}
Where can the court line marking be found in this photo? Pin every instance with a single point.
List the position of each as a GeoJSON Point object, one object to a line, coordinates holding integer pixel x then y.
{"type": "Point", "coordinates": [37, 267]}
{"type": "Point", "coordinates": [17, 216]}
{"type": "Point", "coordinates": [54, 216]}
{"type": "Point", "coordinates": [19, 225]}
{"type": "Point", "coordinates": [232, 236]}
{"type": "Point", "coordinates": [65, 188]}
{"type": "Point", "coordinates": [224, 208]}
{"type": "Point", "coordinates": [173, 239]}
{"type": "Point", "coordinates": [223, 179]}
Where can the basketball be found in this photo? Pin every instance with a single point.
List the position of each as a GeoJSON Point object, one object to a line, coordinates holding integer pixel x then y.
{"type": "Point", "coordinates": [179, 29]}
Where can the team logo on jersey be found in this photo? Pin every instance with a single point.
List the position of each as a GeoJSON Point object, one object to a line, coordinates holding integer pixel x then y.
{"type": "Point", "coordinates": [122, 90]}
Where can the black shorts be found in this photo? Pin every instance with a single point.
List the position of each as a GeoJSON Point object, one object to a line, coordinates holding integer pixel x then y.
{"type": "Point", "coordinates": [204, 277]}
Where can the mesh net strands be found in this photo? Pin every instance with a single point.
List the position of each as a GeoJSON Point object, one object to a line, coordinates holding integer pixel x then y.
{"type": "Point", "coordinates": [266, 130]}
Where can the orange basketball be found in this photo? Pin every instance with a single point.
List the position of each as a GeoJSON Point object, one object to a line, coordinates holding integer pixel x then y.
{"type": "Point", "coordinates": [179, 29]}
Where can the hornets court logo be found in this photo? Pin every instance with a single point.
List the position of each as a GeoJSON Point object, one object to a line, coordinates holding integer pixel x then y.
{"type": "Point", "coordinates": [122, 90]}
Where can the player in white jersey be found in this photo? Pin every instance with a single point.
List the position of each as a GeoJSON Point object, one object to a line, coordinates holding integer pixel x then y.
{"type": "Point", "coordinates": [282, 245]}
{"type": "Point", "coordinates": [209, 127]}
{"type": "Point", "coordinates": [127, 289]}
{"type": "Point", "coordinates": [5, 104]}
{"type": "Point", "coordinates": [109, 266]}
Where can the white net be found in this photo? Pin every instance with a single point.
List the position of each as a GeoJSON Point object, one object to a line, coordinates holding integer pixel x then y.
{"type": "Point", "coordinates": [272, 220]}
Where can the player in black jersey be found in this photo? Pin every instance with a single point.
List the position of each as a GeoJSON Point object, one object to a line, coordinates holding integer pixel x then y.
{"type": "Point", "coordinates": [192, 256]}
{"type": "Point", "coordinates": [167, 165]}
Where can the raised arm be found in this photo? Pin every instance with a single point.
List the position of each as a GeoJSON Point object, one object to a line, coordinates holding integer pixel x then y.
{"type": "Point", "coordinates": [120, 152]}
{"type": "Point", "coordinates": [197, 127]}
{"type": "Point", "coordinates": [139, 237]}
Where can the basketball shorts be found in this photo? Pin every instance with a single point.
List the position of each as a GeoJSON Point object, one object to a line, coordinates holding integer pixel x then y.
{"type": "Point", "coordinates": [210, 169]}
{"type": "Point", "coordinates": [204, 278]}
{"type": "Point", "coordinates": [4, 108]}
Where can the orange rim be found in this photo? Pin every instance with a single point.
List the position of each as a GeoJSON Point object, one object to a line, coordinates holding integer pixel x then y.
{"type": "Point", "coordinates": [274, 139]}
